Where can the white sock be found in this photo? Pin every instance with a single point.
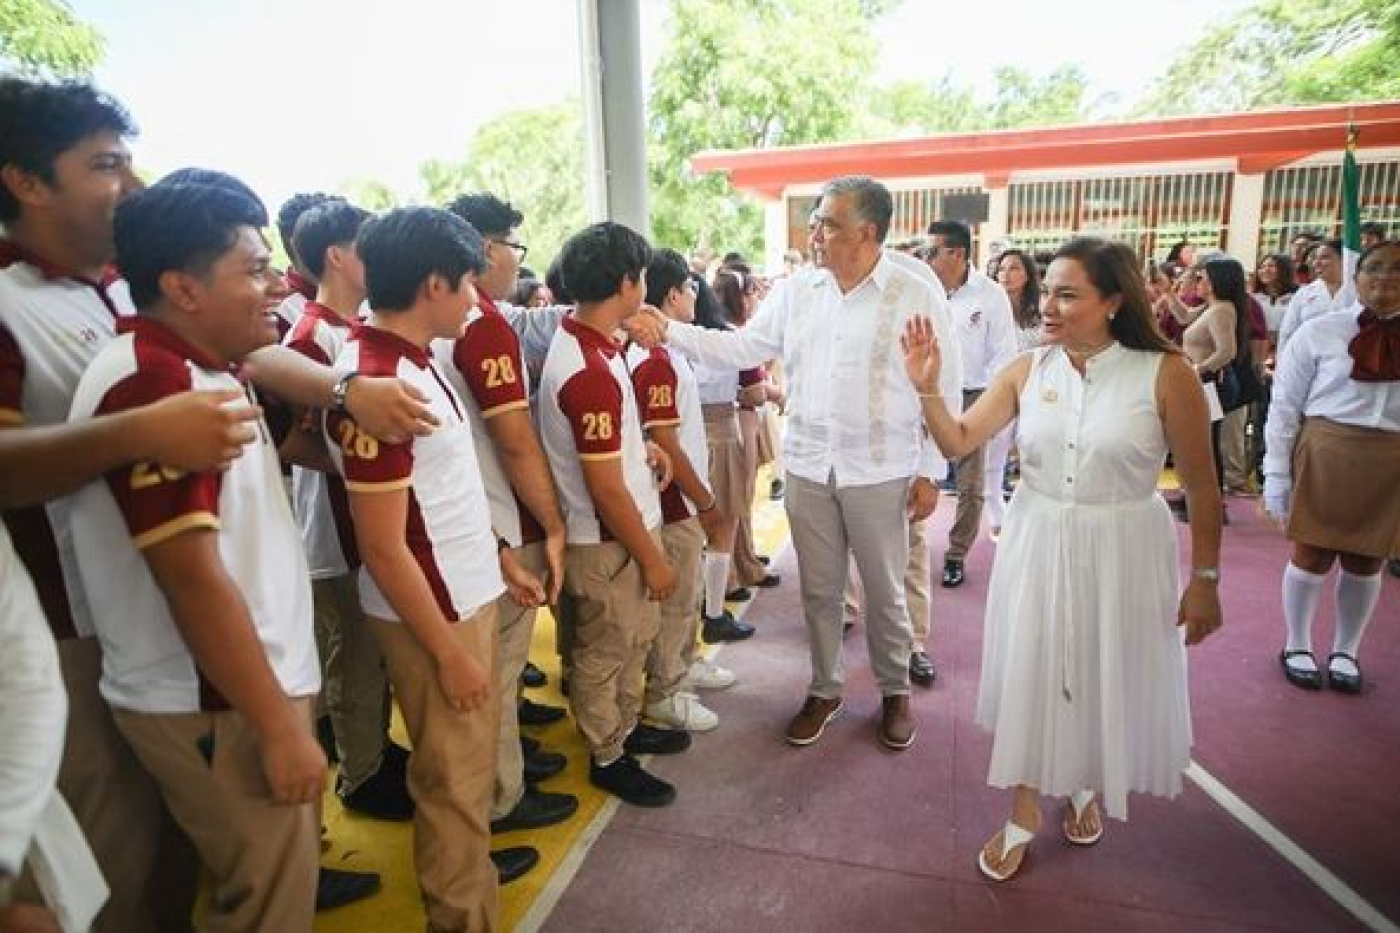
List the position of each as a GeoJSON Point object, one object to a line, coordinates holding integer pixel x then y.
{"type": "Point", "coordinates": [1301, 591]}
{"type": "Point", "coordinates": [716, 576]}
{"type": "Point", "coordinates": [1356, 603]}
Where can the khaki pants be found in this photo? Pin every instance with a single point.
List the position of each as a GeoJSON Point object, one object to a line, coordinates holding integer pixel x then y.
{"type": "Point", "coordinates": [516, 626]}
{"type": "Point", "coordinates": [745, 569]}
{"type": "Point", "coordinates": [450, 775]}
{"type": "Point", "coordinates": [614, 627]}
{"type": "Point", "coordinates": [829, 523]}
{"type": "Point", "coordinates": [674, 649]}
{"type": "Point", "coordinates": [354, 692]}
{"type": "Point", "coordinates": [968, 472]}
{"type": "Point", "coordinates": [1232, 449]}
{"type": "Point", "coordinates": [148, 861]}
{"type": "Point", "coordinates": [918, 591]}
{"type": "Point", "coordinates": [263, 855]}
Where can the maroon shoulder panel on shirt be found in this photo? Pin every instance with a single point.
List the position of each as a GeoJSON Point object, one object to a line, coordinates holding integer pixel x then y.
{"type": "Point", "coordinates": [591, 400]}
{"type": "Point", "coordinates": [156, 500]}
{"type": "Point", "coordinates": [656, 383]}
{"type": "Point", "coordinates": [489, 359]}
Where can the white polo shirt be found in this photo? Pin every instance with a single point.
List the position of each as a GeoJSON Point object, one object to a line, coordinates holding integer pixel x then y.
{"type": "Point", "coordinates": [986, 328]}
{"type": "Point", "coordinates": [145, 664]}
{"type": "Point", "coordinates": [587, 411]}
{"type": "Point", "coordinates": [667, 394]}
{"type": "Point", "coordinates": [487, 369]}
{"type": "Point", "coordinates": [319, 500]}
{"type": "Point", "coordinates": [449, 522]}
{"type": "Point", "coordinates": [52, 323]}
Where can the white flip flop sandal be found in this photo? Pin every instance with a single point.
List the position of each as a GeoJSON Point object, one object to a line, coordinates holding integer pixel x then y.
{"type": "Point", "coordinates": [1012, 837]}
{"type": "Point", "coordinates": [1079, 802]}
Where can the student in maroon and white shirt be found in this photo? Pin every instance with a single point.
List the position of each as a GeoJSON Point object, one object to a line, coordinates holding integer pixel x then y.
{"type": "Point", "coordinates": [301, 281]}
{"type": "Point", "coordinates": [208, 658]}
{"type": "Point", "coordinates": [423, 524]}
{"type": "Point", "coordinates": [669, 400]}
{"type": "Point", "coordinates": [371, 778]}
{"type": "Point", "coordinates": [487, 368]}
{"type": "Point", "coordinates": [616, 568]}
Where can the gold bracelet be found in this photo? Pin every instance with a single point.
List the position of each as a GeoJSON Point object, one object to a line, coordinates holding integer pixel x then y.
{"type": "Point", "coordinates": [930, 395]}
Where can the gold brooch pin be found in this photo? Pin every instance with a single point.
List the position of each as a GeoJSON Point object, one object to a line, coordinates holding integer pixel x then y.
{"type": "Point", "coordinates": [1049, 396]}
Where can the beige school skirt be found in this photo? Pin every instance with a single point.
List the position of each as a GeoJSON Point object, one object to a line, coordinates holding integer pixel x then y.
{"type": "Point", "coordinates": [726, 457]}
{"type": "Point", "coordinates": [1346, 488]}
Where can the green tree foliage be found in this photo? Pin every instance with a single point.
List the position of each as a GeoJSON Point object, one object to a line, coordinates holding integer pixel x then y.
{"type": "Point", "coordinates": [370, 193]}
{"type": "Point", "coordinates": [42, 38]}
{"type": "Point", "coordinates": [1021, 99]}
{"type": "Point", "coordinates": [739, 74]}
{"type": "Point", "coordinates": [531, 158]}
{"type": "Point", "coordinates": [1283, 52]}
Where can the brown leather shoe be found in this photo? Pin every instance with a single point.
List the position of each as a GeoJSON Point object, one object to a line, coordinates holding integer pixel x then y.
{"type": "Point", "coordinates": [811, 720]}
{"type": "Point", "coordinates": [897, 726]}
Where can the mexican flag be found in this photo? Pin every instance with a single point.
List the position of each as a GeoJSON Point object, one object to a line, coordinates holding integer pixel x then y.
{"type": "Point", "coordinates": [1351, 208]}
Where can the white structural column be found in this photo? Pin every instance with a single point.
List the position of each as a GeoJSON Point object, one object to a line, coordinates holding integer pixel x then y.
{"type": "Point", "coordinates": [1246, 210]}
{"type": "Point", "coordinates": [998, 223]}
{"type": "Point", "coordinates": [775, 234]}
{"type": "Point", "coordinates": [614, 112]}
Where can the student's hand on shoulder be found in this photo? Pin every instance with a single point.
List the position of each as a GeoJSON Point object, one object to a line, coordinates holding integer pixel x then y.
{"type": "Point", "coordinates": [464, 683]}
{"type": "Point", "coordinates": [294, 765]}
{"type": "Point", "coordinates": [660, 580]}
{"type": "Point", "coordinates": [647, 327]}
{"type": "Point", "coordinates": [660, 463]}
{"type": "Point", "coordinates": [389, 409]}
{"type": "Point", "coordinates": [197, 430]}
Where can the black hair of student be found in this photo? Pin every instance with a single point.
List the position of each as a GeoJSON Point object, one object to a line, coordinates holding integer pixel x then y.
{"type": "Point", "coordinates": [709, 312]}
{"type": "Point", "coordinates": [40, 121]}
{"type": "Point", "coordinates": [1227, 283]}
{"type": "Point", "coordinates": [179, 227]}
{"type": "Point", "coordinates": [1179, 247]}
{"type": "Point", "coordinates": [955, 233]}
{"type": "Point", "coordinates": [334, 223]}
{"type": "Point", "coordinates": [1027, 308]}
{"type": "Point", "coordinates": [1285, 282]}
{"type": "Point", "coordinates": [554, 278]}
{"type": "Point", "coordinates": [526, 272]}
{"type": "Point", "coordinates": [403, 248]}
{"type": "Point", "coordinates": [525, 291]}
{"type": "Point", "coordinates": [730, 288]}
{"type": "Point", "coordinates": [194, 175]}
{"type": "Point", "coordinates": [1112, 268]}
{"type": "Point", "coordinates": [290, 212]}
{"type": "Point", "coordinates": [732, 257]}
{"type": "Point", "coordinates": [1374, 228]}
{"type": "Point", "coordinates": [487, 213]}
{"type": "Point", "coordinates": [598, 259]}
{"type": "Point", "coordinates": [1366, 253]}
{"type": "Point", "coordinates": [667, 270]}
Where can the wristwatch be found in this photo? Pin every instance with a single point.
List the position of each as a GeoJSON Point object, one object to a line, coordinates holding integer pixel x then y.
{"type": "Point", "coordinates": [1207, 573]}
{"type": "Point", "coordinates": [339, 393]}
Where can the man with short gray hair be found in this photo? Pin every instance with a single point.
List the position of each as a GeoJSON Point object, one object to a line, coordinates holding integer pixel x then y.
{"type": "Point", "coordinates": [857, 460]}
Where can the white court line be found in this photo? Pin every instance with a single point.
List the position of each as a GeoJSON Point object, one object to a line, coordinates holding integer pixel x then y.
{"type": "Point", "coordinates": [1296, 856]}
{"type": "Point", "coordinates": [563, 876]}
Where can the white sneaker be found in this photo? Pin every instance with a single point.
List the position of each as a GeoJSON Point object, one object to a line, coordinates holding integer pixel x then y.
{"type": "Point", "coordinates": [705, 674]}
{"type": "Point", "coordinates": [682, 711]}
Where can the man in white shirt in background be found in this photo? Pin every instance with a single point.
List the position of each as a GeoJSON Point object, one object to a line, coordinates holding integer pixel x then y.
{"type": "Point", "coordinates": [856, 456]}
{"type": "Point", "coordinates": [987, 338]}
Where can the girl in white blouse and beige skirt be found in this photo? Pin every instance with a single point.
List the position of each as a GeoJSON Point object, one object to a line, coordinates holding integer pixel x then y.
{"type": "Point", "coordinates": [1083, 669]}
{"type": "Point", "coordinates": [1332, 470]}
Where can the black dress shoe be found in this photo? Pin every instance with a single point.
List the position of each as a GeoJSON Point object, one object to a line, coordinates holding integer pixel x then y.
{"type": "Point", "coordinates": [395, 757]}
{"type": "Point", "coordinates": [1393, 565]}
{"type": "Point", "coordinates": [532, 676]}
{"type": "Point", "coordinates": [769, 581]}
{"type": "Point", "coordinates": [336, 887]}
{"type": "Point", "coordinates": [538, 808]}
{"type": "Point", "coordinates": [1308, 680]}
{"type": "Point", "coordinates": [724, 628]}
{"type": "Point", "coordinates": [953, 573]}
{"type": "Point", "coordinates": [628, 780]}
{"type": "Point", "coordinates": [1341, 681]}
{"type": "Point", "coordinates": [513, 862]}
{"type": "Point", "coordinates": [740, 594]}
{"type": "Point", "coordinates": [921, 669]}
{"type": "Point", "coordinates": [539, 714]}
{"type": "Point", "coordinates": [528, 745]}
{"type": "Point", "coordinates": [542, 765]}
{"type": "Point", "coordinates": [383, 796]}
{"type": "Point", "coordinates": [654, 740]}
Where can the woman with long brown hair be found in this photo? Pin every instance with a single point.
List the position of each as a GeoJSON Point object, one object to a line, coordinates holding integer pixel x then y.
{"type": "Point", "coordinates": [1083, 670]}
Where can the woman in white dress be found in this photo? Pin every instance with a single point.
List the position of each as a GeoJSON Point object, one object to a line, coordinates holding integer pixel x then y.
{"type": "Point", "coordinates": [1083, 670]}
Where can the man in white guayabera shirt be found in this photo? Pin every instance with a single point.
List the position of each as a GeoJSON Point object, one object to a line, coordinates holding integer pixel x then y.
{"type": "Point", "coordinates": [857, 459]}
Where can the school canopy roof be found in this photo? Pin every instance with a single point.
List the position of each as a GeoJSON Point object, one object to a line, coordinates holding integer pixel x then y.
{"type": "Point", "coordinates": [1258, 141]}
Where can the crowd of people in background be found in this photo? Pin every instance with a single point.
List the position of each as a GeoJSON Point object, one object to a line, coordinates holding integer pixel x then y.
{"type": "Point", "coordinates": [256, 505]}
